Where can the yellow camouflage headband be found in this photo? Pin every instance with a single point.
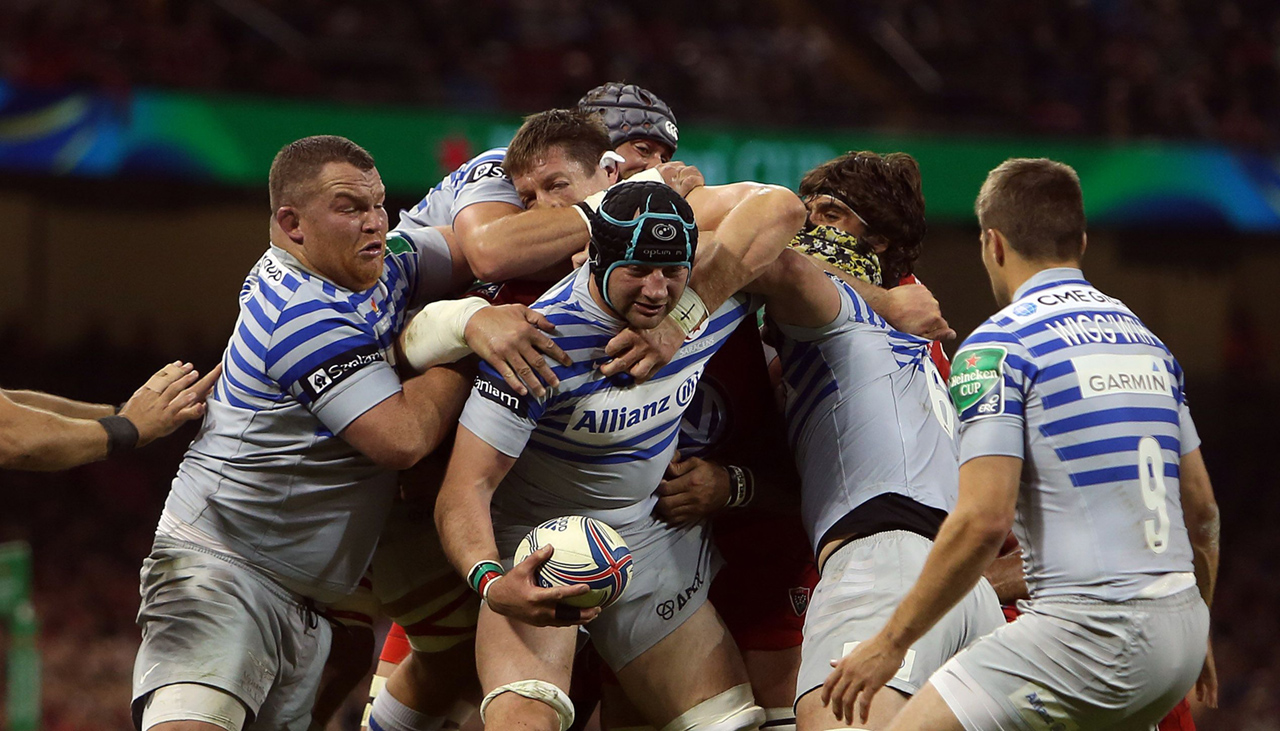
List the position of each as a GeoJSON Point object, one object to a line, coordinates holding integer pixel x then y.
{"type": "Point", "coordinates": [841, 250]}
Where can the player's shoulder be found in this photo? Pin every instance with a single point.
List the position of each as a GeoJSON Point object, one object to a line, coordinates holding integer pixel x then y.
{"type": "Point", "coordinates": [485, 166]}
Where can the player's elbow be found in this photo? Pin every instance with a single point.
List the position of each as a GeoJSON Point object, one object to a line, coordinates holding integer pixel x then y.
{"type": "Point", "coordinates": [399, 457]}
{"type": "Point", "coordinates": [484, 257]}
{"type": "Point", "coordinates": [784, 208]}
{"type": "Point", "coordinates": [986, 528]}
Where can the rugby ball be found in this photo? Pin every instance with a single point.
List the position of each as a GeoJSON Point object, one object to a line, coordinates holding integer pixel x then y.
{"type": "Point", "coordinates": [586, 552]}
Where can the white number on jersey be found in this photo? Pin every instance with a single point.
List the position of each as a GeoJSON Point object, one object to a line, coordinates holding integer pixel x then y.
{"type": "Point", "coordinates": [940, 398]}
{"type": "Point", "coordinates": [1151, 481]}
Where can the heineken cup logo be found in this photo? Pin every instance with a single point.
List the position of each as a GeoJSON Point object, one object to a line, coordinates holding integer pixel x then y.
{"type": "Point", "coordinates": [977, 382]}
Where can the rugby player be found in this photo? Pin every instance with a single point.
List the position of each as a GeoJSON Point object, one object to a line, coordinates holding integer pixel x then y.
{"type": "Point", "coordinates": [40, 431]}
{"type": "Point", "coordinates": [279, 501]}
{"type": "Point", "coordinates": [424, 665]}
{"type": "Point", "coordinates": [566, 173]}
{"type": "Point", "coordinates": [1075, 431]}
{"type": "Point", "coordinates": [664, 642]}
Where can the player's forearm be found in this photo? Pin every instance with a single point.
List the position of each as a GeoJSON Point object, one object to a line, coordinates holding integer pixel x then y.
{"type": "Point", "coordinates": [437, 397]}
{"type": "Point", "coordinates": [747, 241]}
{"type": "Point", "coordinates": [462, 508]}
{"type": "Point", "coordinates": [965, 546]}
{"type": "Point", "coordinates": [59, 405]}
{"type": "Point", "coordinates": [43, 441]}
{"type": "Point", "coordinates": [1200, 513]}
{"type": "Point", "coordinates": [524, 244]}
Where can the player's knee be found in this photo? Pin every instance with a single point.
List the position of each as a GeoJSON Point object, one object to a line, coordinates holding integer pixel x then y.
{"type": "Point", "coordinates": [733, 710]}
{"type": "Point", "coordinates": [192, 707]}
{"type": "Point", "coordinates": [535, 690]}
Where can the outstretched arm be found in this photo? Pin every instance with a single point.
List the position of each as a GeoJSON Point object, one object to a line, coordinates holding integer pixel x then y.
{"type": "Point", "coordinates": [59, 405]}
{"type": "Point", "coordinates": [41, 439]}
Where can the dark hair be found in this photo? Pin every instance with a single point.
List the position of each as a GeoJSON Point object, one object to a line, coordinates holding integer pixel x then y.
{"type": "Point", "coordinates": [580, 134]}
{"type": "Point", "coordinates": [1038, 206]}
{"type": "Point", "coordinates": [298, 163]}
{"type": "Point", "coordinates": [885, 192]}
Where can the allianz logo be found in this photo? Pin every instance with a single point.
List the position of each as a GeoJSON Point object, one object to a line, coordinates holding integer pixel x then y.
{"type": "Point", "coordinates": [618, 418]}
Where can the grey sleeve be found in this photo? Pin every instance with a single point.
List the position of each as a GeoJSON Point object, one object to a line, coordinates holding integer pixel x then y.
{"type": "Point", "coordinates": [996, 436]}
{"type": "Point", "coordinates": [434, 265]}
{"type": "Point", "coordinates": [1188, 437]}
{"type": "Point", "coordinates": [358, 394]}
{"type": "Point", "coordinates": [495, 425]}
{"type": "Point", "coordinates": [844, 321]}
{"type": "Point", "coordinates": [486, 186]}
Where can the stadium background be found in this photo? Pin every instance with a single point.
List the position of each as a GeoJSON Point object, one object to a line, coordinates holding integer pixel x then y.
{"type": "Point", "coordinates": [135, 137]}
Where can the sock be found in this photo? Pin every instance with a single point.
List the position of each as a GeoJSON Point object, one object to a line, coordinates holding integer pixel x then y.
{"type": "Point", "coordinates": [389, 714]}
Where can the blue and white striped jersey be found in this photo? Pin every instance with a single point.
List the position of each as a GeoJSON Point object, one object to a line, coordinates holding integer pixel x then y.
{"type": "Point", "coordinates": [1069, 380]}
{"type": "Point", "coordinates": [266, 477]}
{"type": "Point", "coordinates": [590, 447]}
{"type": "Point", "coordinates": [480, 180]}
{"type": "Point", "coordinates": [867, 414]}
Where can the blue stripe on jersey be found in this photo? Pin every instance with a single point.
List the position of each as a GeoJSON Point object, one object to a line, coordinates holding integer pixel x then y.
{"type": "Point", "coordinates": [632, 442]}
{"type": "Point", "coordinates": [581, 342]}
{"type": "Point", "coordinates": [1060, 398]}
{"type": "Point", "coordinates": [1057, 370]}
{"type": "Point", "coordinates": [1112, 446]}
{"type": "Point", "coordinates": [251, 342]}
{"type": "Point", "coordinates": [273, 397]}
{"type": "Point", "coordinates": [315, 358]}
{"type": "Point", "coordinates": [231, 399]}
{"type": "Point", "coordinates": [800, 363]}
{"type": "Point", "coordinates": [329, 289]}
{"type": "Point", "coordinates": [554, 298]}
{"type": "Point", "coordinates": [990, 337]}
{"type": "Point", "coordinates": [1108, 416]}
{"type": "Point", "coordinates": [272, 297]}
{"type": "Point", "coordinates": [306, 334]}
{"type": "Point", "coordinates": [564, 373]}
{"type": "Point", "coordinates": [567, 318]}
{"type": "Point", "coordinates": [243, 365]}
{"type": "Point", "coordinates": [823, 395]}
{"type": "Point", "coordinates": [260, 316]}
{"type": "Point", "coordinates": [647, 453]}
{"type": "Point", "coordinates": [306, 308]}
{"type": "Point", "coordinates": [1115, 474]}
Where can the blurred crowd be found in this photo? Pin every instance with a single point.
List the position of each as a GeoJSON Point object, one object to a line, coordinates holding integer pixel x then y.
{"type": "Point", "coordinates": [90, 528]}
{"type": "Point", "coordinates": [1199, 69]}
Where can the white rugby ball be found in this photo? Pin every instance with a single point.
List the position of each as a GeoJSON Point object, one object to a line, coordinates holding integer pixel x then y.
{"type": "Point", "coordinates": [586, 552]}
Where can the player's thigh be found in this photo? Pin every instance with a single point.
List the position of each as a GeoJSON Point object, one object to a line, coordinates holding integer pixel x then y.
{"type": "Point", "coordinates": [811, 715]}
{"type": "Point", "coordinates": [217, 622]}
{"type": "Point", "coordinates": [926, 711]}
{"type": "Point", "coordinates": [862, 584]}
{"type": "Point", "coordinates": [697, 661]}
{"type": "Point", "coordinates": [773, 675]}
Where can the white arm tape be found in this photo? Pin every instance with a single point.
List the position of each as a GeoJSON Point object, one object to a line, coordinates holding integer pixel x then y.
{"type": "Point", "coordinates": [538, 690]}
{"type": "Point", "coordinates": [436, 335]}
{"type": "Point", "coordinates": [689, 312]}
{"type": "Point", "coordinates": [653, 175]}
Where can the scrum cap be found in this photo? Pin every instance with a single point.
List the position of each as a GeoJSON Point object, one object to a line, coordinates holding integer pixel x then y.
{"type": "Point", "coordinates": [643, 223]}
{"type": "Point", "coordinates": [630, 112]}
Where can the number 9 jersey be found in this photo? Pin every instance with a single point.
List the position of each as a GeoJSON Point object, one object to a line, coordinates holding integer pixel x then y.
{"type": "Point", "coordinates": [1069, 380]}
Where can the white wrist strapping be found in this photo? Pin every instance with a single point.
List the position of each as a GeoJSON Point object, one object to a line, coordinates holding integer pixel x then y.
{"type": "Point", "coordinates": [689, 312]}
{"type": "Point", "coordinates": [436, 335]}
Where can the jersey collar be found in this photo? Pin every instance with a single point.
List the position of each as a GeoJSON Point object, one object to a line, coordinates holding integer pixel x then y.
{"type": "Point", "coordinates": [1046, 278]}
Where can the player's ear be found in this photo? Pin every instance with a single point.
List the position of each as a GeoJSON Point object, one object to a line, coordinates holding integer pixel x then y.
{"type": "Point", "coordinates": [998, 245]}
{"type": "Point", "coordinates": [287, 218]}
{"type": "Point", "coordinates": [1084, 244]}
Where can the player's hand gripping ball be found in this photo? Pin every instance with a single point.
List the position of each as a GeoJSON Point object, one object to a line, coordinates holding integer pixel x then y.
{"type": "Point", "coordinates": [586, 552]}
